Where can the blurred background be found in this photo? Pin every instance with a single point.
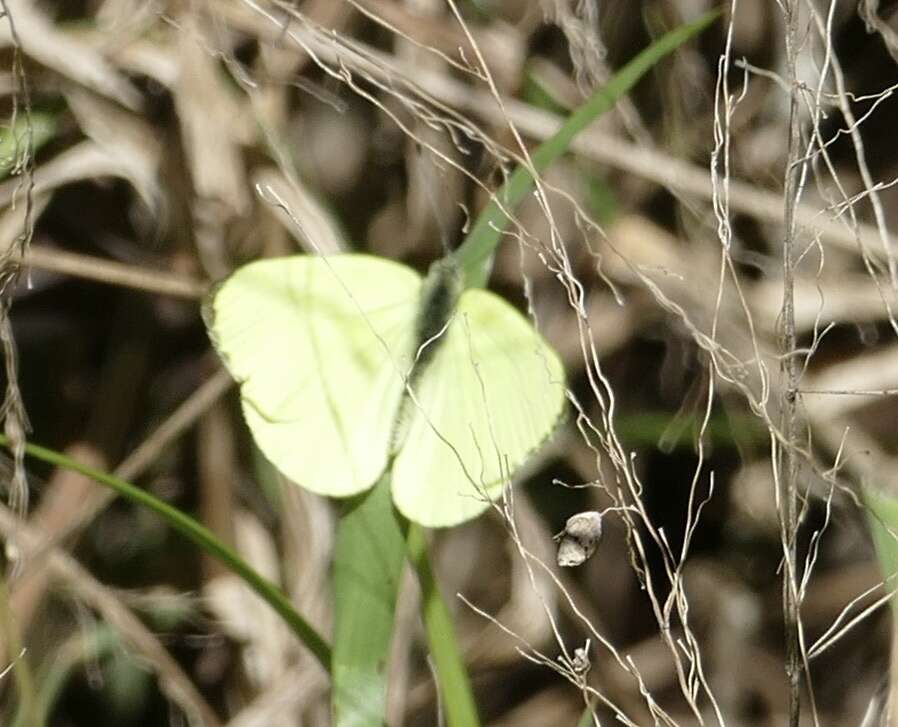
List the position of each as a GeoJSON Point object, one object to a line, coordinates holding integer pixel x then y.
{"type": "Point", "coordinates": [177, 140]}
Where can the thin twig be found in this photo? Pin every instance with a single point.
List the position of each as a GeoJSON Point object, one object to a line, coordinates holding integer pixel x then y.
{"type": "Point", "coordinates": [849, 392]}
{"type": "Point", "coordinates": [789, 467]}
{"type": "Point", "coordinates": [651, 164]}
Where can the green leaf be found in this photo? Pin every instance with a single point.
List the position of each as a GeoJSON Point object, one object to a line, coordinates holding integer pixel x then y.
{"type": "Point", "coordinates": [368, 560]}
{"type": "Point", "coordinates": [475, 253]}
{"type": "Point", "coordinates": [667, 430]}
{"type": "Point", "coordinates": [455, 687]}
{"type": "Point", "coordinates": [201, 536]}
{"type": "Point", "coordinates": [15, 140]}
{"type": "Point", "coordinates": [882, 516]}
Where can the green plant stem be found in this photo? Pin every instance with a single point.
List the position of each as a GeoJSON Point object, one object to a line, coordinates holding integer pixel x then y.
{"type": "Point", "coordinates": [457, 696]}
{"type": "Point", "coordinates": [369, 557]}
{"type": "Point", "coordinates": [201, 536]}
{"type": "Point", "coordinates": [481, 242]}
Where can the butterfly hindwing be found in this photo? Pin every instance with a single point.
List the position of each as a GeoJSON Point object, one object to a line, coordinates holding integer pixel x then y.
{"type": "Point", "coordinates": [492, 394]}
{"type": "Point", "coordinates": [319, 346]}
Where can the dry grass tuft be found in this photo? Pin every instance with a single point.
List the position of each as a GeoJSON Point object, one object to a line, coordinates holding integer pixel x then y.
{"type": "Point", "coordinates": [714, 261]}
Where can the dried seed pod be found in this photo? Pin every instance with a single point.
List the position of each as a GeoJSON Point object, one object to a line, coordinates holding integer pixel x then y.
{"type": "Point", "coordinates": [578, 541]}
{"type": "Point", "coordinates": [580, 663]}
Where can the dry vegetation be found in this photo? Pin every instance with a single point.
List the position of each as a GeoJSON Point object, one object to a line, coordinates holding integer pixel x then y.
{"type": "Point", "coordinates": [180, 139]}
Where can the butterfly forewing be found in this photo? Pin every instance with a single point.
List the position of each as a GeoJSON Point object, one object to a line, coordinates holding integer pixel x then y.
{"type": "Point", "coordinates": [320, 346]}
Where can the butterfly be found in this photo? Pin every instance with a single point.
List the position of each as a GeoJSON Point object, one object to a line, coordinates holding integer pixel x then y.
{"type": "Point", "coordinates": [351, 364]}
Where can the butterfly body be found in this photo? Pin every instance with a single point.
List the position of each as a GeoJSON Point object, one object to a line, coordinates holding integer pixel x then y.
{"type": "Point", "coordinates": [439, 296]}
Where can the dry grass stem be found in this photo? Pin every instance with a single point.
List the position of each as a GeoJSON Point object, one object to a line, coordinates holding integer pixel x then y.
{"type": "Point", "coordinates": [42, 257]}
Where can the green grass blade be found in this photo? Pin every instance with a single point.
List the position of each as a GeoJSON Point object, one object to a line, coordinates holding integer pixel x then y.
{"type": "Point", "coordinates": [667, 430]}
{"type": "Point", "coordinates": [882, 516]}
{"type": "Point", "coordinates": [201, 536]}
{"type": "Point", "coordinates": [368, 561]}
{"type": "Point", "coordinates": [452, 678]}
{"type": "Point", "coordinates": [477, 249]}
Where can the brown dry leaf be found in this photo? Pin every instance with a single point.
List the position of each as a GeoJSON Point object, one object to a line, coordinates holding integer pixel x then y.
{"type": "Point", "coordinates": [87, 160]}
{"type": "Point", "coordinates": [154, 59]}
{"type": "Point", "coordinates": [639, 243]}
{"type": "Point", "coordinates": [334, 147]}
{"type": "Point", "coordinates": [316, 230]}
{"type": "Point", "coordinates": [124, 136]}
{"type": "Point", "coordinates": [328, 14]}
{"type": "Point", "coordinates": [435, 184]}
{"type": "Point", "coordinates": [213, 128]}
{"type": "Point", "coordinates": [550, 76]}
{"type": "Point", "coordinates": [210, 118]}
{"type": "Point", "coordinates": [751, 25]}
{"type": "Point", "coordinates": [532, 595]}
{"type": "Point", "coordinates": [562, 186]}
{"type": "Point", "coordinates": [246, 617]}
{"type": "Point", "coordinates": [869, 11]}
{"type": "Point", "coordinates": [754, 508]}
{"type": "Point", "coordinates": [547, 707]}
{"type": "Point", "coordinates": [284, 697]}
{"type": "Point", "coordinates": [66, 53]}
{"type": "Point", "coordinates": [613, 325]}
{"type": "Point", "coordinates": [115, 17]}
{"type": "Point", "coordinates": [874, 371]}
{"type": "Point", "coordinates": [431, 214]}
{"type": "Point", "coordinates": [385, 232]}
{"type": "Point", "coordinates": [12, 219]}
{"type": "Point", "coordinates": [308, 534]}
{"type": "Point", "coordinates": [842, 298]}
{"type": "Point", "coordinates": [500, 44]}
{"type": "Point", "coordinates": [828, 594]}
{"type": "Point", "coordinates": [406, 626]}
